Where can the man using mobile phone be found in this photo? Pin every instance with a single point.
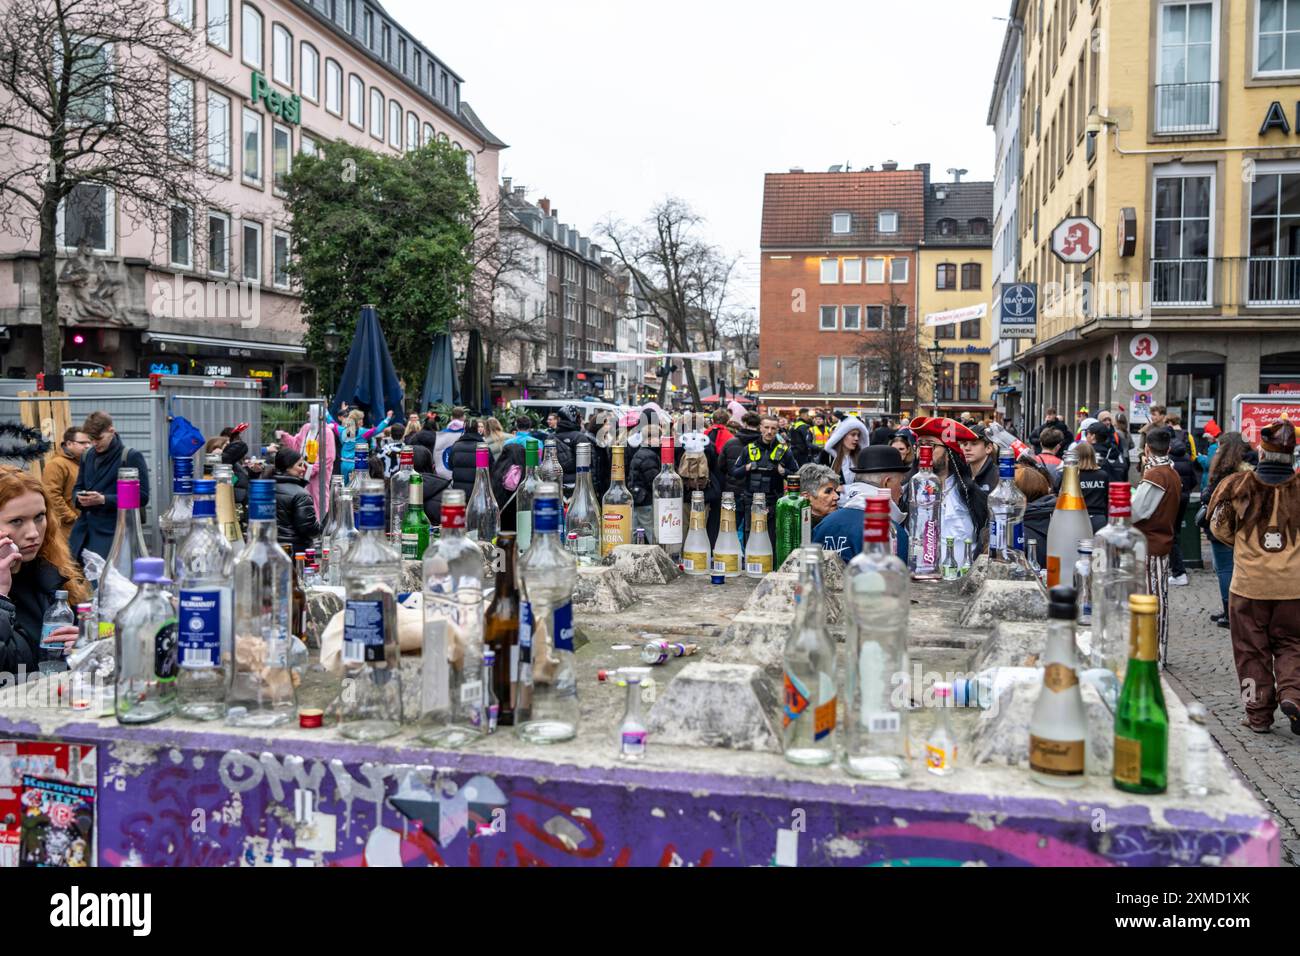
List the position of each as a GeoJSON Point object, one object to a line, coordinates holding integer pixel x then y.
{"type": "Point", "coordinates": [96, 487]}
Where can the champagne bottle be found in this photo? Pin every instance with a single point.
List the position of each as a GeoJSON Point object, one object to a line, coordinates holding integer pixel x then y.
{"type": "Point", "coordinates": [758, 546]}
{"type": "Point", "coordinates": [1058, 730]}
{"type": "Point", "coordinates": [1069, 525]}
{"type": "Point", "coordinates": [616, 508]}
{"type": "Point", "coordinates": [697, 554]}
{"type": "Point", "coordinates": [1141, 719]}
{"type": "Point", "coordinates": [726, 550]}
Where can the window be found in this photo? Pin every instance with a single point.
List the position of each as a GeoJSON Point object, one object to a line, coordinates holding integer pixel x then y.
{"type": "Point", "coordinates": [219, 24]}
{"type": "Point", "coordinates": [853, 271]}
{"type": "Point", "coordinates": [412, 132]}
{"type": "Point", "coordinates": [826, 369]}
{"type": "Point", "coordinates": [180, 115]}
{"type": "Point", "coordinates": [945, 383]}
{"type": "Point", "coordinates": [841, 223]}
{"type": "Point", "coordinates": [829, 318]}
{"type": "Point", "coordinates": [945, 276]}
{"type": "Point", "coordinates": [852, 318]}
{"type": "Point", "coordinates": [334, 92]}
{"type": "Point", "coordinates": [968, 382]}
{"type": "Point", "coordinates": [887, 222]}
{"type": "Point", "coordinates": [250, 41]}
{"type": "Point", "coordinates": [307, 145]}
{"type": "Point", "coordinates": [180, 233]}
{"type": "Point", "coordinates": [376, 114]}
{"type": "Point", "coordinates": [218, 131]}
{"type": "Point", "coordinates": [897, 270]}
{"type": "Point", "coordinates": [1275, 235]}
{"type": "Point", "coordinates": [873, 376]}
{"type": "Point", "coordinates": [971, 329]}
{"type": "Point", "coordinates": [394, 124]}
{"type": "Point", "coordinates": [948, 331]}
{"type": "Point", "coordinates": [900, 317]}
{"type": "Point", "coordinates": [252, 147]}
{"type": "Point", "coordinates": [978, 227]}
{"type": "Point", "coordinates": [387, 37]}
{"type": "Point", "coordinates": [947, 227]}
{"type": "Point", "coordinates": [469, 164]}
{"type": "Point", "coordinates": [279, 259]}
{"type": "Point", "coordinates": [401, 54]}
{"type": "Point", "coordinates": [1277, 38]}
{"type": "Point", "coordinates": [419, 69]}
{"type": "Point", "coordinates": [369, 28]}
{"type": "Point", "coordinates": [1187, 94]}
{"type": "Point", "coordinates": [875, 318]}
{"type": "Point", "coordinates": [218, 243]}
{"type": "Point", "coordinates": [281, 153]}
{"type": "Point", "coordinates": [181, 11]}
{"type": "Point", "coordinates": [446, 89]}
{"type": "Point", "coordinates": [971, 275]}
{"type": "Point", "coordinates": [310, 79]}
{"type": "Point", "coordinates": [1180, 241]}
{"type": "Point", "coordinates": [281, 55]}
{"type": "Point", "coordinates": [426, 135]}
{"type": "Point", "coordinates": [851, 375]}
{"type": "Point", "coordinates": [252, 252]}
{"type": "Point", "coordinates": [830, 271]}
{"type": "Point", "coordinates": [875, 271]}
{"type": "Point", "coordinates": [88, 214]}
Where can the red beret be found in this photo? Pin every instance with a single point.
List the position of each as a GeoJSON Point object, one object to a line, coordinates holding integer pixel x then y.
{"type": "Point", "coordinates": [945, 430]}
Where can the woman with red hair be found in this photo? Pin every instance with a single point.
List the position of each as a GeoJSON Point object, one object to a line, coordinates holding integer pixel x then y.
{"type": "Point", "coordinates": [33, 565]}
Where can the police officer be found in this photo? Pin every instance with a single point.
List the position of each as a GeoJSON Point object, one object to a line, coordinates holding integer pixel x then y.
{"type": "Point", "coordinates": [820, 432]}
{"type": "Point", "coordinates": [763, 466]}
{"type": "Point", "coordinates": [801, 439]}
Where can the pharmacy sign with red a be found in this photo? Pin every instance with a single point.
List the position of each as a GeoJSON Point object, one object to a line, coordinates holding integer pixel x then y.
{"type": "Point", "coordinates": [1076, 240]}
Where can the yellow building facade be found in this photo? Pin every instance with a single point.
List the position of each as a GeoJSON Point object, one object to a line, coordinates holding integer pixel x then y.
{"type": "Point", "coordinates": [1174, 126]}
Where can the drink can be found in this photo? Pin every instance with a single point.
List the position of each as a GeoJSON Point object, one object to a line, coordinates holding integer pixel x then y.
{"type": "Point", "coordinates": [640, 537]}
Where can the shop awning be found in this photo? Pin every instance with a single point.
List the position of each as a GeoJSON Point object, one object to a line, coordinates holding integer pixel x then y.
{"type": "Point", "coordinates": [204, 341]}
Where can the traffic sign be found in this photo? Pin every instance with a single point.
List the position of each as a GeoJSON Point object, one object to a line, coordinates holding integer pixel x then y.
{"type": "Point", "coordinates": [1076, 240]}
{"type": "Point", "coordinates": [1143, 377]}
{"type": "Point", "coordinates": [1144, 347]}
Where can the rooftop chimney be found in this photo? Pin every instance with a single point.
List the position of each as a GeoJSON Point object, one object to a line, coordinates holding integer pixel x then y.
{"type": "Point", "coordinates": [888, 166]}
{"type": "Point", "coordinates": [924, 170]}
{"type": "Point", "coordinates": [545, 205]}
{"type": "Point", "coordinates": [505, 184]}
{"type": "Point", "coordinates": [957, 174]}
{"type": "Point", "coordinates": [796, 169]}
{"type": "Point", "coordinates": [519, 192]}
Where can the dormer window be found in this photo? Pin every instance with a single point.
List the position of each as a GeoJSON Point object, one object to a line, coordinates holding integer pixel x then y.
{"type": "Point", "coordinates": [978, 227]}
{"type": "Point", "coordinates": [841, 223]}
{"type": "Point", "coordinates": [887, 221]}
{"type": "Point", "coordinates": [947, 227]}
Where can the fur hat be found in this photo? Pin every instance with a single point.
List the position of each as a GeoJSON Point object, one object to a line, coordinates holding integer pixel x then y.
{"type": "Point", "coordinates": [1278, 437]}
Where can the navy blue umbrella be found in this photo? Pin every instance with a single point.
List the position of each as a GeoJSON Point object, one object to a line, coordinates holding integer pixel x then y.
{"type": "Point", "coordinates": [369, 379]}
{"type": "Point", "coordinates": [475, 390]}
{"type": "Point", "coordinates": [440, 386]}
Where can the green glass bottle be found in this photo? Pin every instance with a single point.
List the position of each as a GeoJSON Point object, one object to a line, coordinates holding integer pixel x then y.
{"type": "Point", "coordinates": [415, 523]}
{"type": "Point", "coordinates": [792, 512]}
{"type": "Point", "coordinates": [1141, 720]}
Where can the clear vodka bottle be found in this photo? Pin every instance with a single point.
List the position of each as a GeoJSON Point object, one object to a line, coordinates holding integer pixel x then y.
{"type": "Point", "coordinates": [128, 537]}
{"type": "Point", "coordinates": [878, 590]}
{"type": "Point", "coordinates": [372, 698]}
{"type": "Point", "coordinates": [1006, 514]}
{"type": "Point", "coordinates": [1196, 757]}
{"type": "Point", "coordinates": [206, 562]}
{"type": "Point", "coordinates": [261, 684]}
{"type": "Point", "coordinates": [584, 512]}
{"type": "Point", "coordinates": [482, 515]}
{"type": "Point", "coordinates": [145, 645]}
{"type": "Point", "coordinates": [525, 495]}
{"type": "Point", "coordinates": [328, 527]}
{"type": "Point", "coordinates": [1082, 582]}
{"type": "Point", "coordinates": [1119, 570]}
{"type": "Point", "coordinates": [345, 536]}
{"type": "Point", "coordinates": [670, 528]}
{"type": "Point", "coordinates": [547, 708]}
{"type": "Point", "coordinates": [399, 494]}
{"type": "Point", "coordinates": [941, 745]}
{"type": "Point", "coordinates": [632, 729]}
{"type": "Point", "coordinates": [451, 668]}
{"type": "Point", "coordinates": [925, 520]}
{"type": "Point", "coordinates": [1058, 729]}
{"type": "Point", "coordinates": [809, 661]}
{"type": "Point", "coordinates": [551, 470]}
{"type": "Point", "coordinates": [360, 469]}
{"type": "Point", "coordinates": [175, 523]}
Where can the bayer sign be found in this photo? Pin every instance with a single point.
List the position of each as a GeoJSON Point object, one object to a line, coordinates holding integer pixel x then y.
{"type": "Point", "coordinates": [1019, 311]}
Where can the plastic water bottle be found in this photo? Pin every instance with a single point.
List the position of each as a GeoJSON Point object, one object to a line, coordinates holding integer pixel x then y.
{"type": "Point", "coordinates": [59, 615]}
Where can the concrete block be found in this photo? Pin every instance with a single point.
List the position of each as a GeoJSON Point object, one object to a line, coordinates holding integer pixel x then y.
{"type": "Point", "coordinates": [322, 605]}
{"type": "Point", "coordinates": [1001, 734]}
{"type": "Point", "coordinates": [757, 638]}
{"type": "Point", "coordinates": [998, 601]}
{"type": "Point", "coordinates": [412, 577]}
{"type": "Point", "coordinates": [1011, 644]}
{"type": "Point", "coordinates": [717, 705]}
{"type": "Point", "coordinates": [984, 570]}
{"type": "Point", "coordinates": [643, 564]}
{"type": "Point", "coordinates": [775, 595]}
{"type": "Point", "coordinates": [603, 590]}
{"type": "Point", "coordinates": [832, 569]}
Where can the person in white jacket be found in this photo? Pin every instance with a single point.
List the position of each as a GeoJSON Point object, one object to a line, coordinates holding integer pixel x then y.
{"type": "Point", "coordinates": [842, 448]}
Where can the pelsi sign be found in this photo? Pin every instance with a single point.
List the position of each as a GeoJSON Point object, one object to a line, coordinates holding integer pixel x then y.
{"type": "Point", "coordinates": [288, 108]}
{"type": "Point", "coordinates": [789, 387]}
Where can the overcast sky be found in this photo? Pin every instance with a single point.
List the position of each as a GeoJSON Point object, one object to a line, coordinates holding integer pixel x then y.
{"type": "Point", "coordinates": [609, 107]}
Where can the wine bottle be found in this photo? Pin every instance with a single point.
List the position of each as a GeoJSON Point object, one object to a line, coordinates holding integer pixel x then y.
{"type": "Point", "coordinates": [1141, 719]}
{"type": "Point", "coordinates": [616, 507]}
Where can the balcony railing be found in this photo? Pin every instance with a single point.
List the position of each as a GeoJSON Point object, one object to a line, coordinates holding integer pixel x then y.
{"type": "Point", "coordinates": [1181, 282]}
{"type": "Point", "coordinates": [1187, 107]}
{"type": "Point", "coordinates": [1273, 280]}
{"type": "Point", "coordinates": [1254, 282]}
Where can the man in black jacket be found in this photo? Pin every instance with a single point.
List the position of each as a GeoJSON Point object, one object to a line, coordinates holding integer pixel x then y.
{"type": "Point", "coordinates": [96, 487]}
{"type": "Point", "coordinates": [1052, 420]}
{"type": "Point", "coordinates": [982, 456]}
{"type": "Point", "coordinates": [463, 459]}
{"type": "Point", "coordinates": [1107, 451]}
{"type": "Point", "coordinates": [569, 431]}
{"type": "Point", "coordinates": [643, 467]}
{"type": "Point", "coordinates": [762, 467]}
{"type": "Point", "coordinates": [1189, 473]}
{"type": "Point", "coordinates": [801, 438]}
{"type": "Point", "coordinates": [745, 433]}
{"type": "Point", "coordinates": [295, 513]}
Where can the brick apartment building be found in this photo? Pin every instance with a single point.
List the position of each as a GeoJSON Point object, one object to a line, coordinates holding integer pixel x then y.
{"type": "Point", "coordinates": [839, 261]}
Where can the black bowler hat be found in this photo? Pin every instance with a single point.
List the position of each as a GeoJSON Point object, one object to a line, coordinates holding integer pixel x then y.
{"type": "Point", "coordinates": [879, 459]}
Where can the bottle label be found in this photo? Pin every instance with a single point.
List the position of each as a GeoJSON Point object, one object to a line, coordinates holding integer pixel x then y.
{"type": "Point", "coordinates": [805, 527]}
{"type": "Point", "coordinates": [997, 535]}
{"type": "Point", "coordinates": [929, 544]}
{"type": "Point", "coordinates": [726, 563]}
{"type": "Point", "coordinates": [435, 670]}
{"type": "Point", "coordinates": [1059, 677]}
{"type": "Point", "coordinates": [584, 544]}
{"type": "Point", "coordinates": [494, 714]}
{"type": "Point", "coordinates": [668, 521]}
{"type": "Point", "coordinates": [1019, 536]}
{"type": "Point", "coordinates": [363, 632]}
{"type": "Point", "coordinates": [758, 564]}
{"type": "Point", "coordinates": [523, 529]}
{"type": "Point", "coordinates": [200, 629]}
{"type": "Point", "coordinates": [824, 715]}
{"type": "Point", "coordinates": [1128, 761]}
{"type": "Point", "coordinates": [695, 561]}
{"type": "Point", "coordinates": [165, 652]}
{"type": "Point", "coordinates": [617, 527]}
{"type": "Point", "coordinates": [411, 546]}
{"type": "Point", "coordinates": [634, 743]}
{"type": "Point", "coordinates": [1056, 758]}
{"type": "Point", "coordinates": [471, 692]}
{"type": "Point", "coordinates": [796, 699]}
{"type": "Point", "coordinates": [525, 634]}
{"type": "Point", "coordinates": [887, 723]}
{"type": "Point", "coordinates": [562, 628]}
{"type": "Point", "coordinates": [939, 758]}
{"type": "Point", "coordinates": [1053, 571]}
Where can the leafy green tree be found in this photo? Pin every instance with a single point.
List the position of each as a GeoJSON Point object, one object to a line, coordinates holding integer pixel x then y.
{"type": "Point", "coordinates": [392, 231]}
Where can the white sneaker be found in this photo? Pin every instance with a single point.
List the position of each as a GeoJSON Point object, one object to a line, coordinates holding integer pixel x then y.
{"type": "Point", "coordinates": [1178, 582]}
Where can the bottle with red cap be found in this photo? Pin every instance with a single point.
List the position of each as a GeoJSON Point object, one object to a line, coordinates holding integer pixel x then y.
{"type": "Point", "coordinates": [670, 531]}
{"type": "Point", "coordinates": [925, 519]}
{"type": "Point", "coordinates": [1119, 563]}
{"type": "Point", "coordinates": [877, 588]}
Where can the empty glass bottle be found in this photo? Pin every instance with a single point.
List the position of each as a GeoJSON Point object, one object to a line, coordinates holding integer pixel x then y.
{"type": "Point", "coordinates": [525, 495]}
{"type": "Point", "coordinates": [941, 745]}
{"type": "Point", "coordinates": [632, 730]}
{"type": "Point", "coordinates": [345, 536]}
{"type": "Point", "coordinates": [175, 523]}
{"type": "Point", "coordinates": [584, 512]}
{"type": "Point", "coordinates": [128, 537]}
{"type": "Point", "coordinates": [551, 470]}
{"type": "Point", "coordinates": [145, 645]}
{"type": "Point", "coordinates": [809, 661]}
{"type": "Point", "coordinates": [482, 515]}
{"type": "Point", "coordinates": [1196, 756]}
{"type": "Point", "coordinates": [1082, 582]}
{"type": "Point", "coordinates": [949, 567]}
{"type": "Point", "coordinates": [206, 611]}
{"type": "Point", "coordinates": [399, 494]}
{"type": "Point", "coordinates": [1119, 571]}
{"type": "Point", "coordinates": [492, 706]}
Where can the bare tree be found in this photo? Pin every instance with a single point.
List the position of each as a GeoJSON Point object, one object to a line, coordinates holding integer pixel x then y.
{"type": "Point", "coordinates": [501, 260]}
{"type": "Point", "coordinates": [895, 351]}
{"type": "Point", "coordinates": [678, 277]}
{"type": "Point", "coordinates": [86, 100]}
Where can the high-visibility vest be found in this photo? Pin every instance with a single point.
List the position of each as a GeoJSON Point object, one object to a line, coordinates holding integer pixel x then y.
{"type": "Point", "coordinates": [776, 454]}
{"type": "Point", "coordinates": [821, 436]}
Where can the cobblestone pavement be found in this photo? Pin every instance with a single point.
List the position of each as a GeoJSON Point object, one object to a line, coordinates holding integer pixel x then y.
{"type": "Point", "coordinates": [1200, 668]}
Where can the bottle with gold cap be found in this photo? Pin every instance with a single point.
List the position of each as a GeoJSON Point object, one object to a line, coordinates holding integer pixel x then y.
{"type": "Point", "coordinates": [1141, 719]}
{"type": "Point", "coordinates": [726, 549]}
{"type": "Point", "coordinates": [758, 546]}
{"type": "Point", "coordinates": [616, 507]}
{"type": "Point", "coordinates": [697, 554]}
{"type": "Point", "coordinates": [1069, 525]}
{"type": "Point", "coordinates": [1058, 730]}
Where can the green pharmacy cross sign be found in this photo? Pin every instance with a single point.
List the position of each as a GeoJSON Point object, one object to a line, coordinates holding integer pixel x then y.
{"type": "Point", "coordinates": [288, 108]}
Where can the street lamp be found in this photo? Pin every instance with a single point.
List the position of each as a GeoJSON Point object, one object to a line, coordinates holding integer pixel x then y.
{"type": "Point", "coordinates": [937, 355]}
{"type": "Point", "coordinates": [331, 337]}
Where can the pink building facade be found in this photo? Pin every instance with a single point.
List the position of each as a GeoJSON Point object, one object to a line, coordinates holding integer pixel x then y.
{"type": "Point", "coordinates": [206, 293]}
